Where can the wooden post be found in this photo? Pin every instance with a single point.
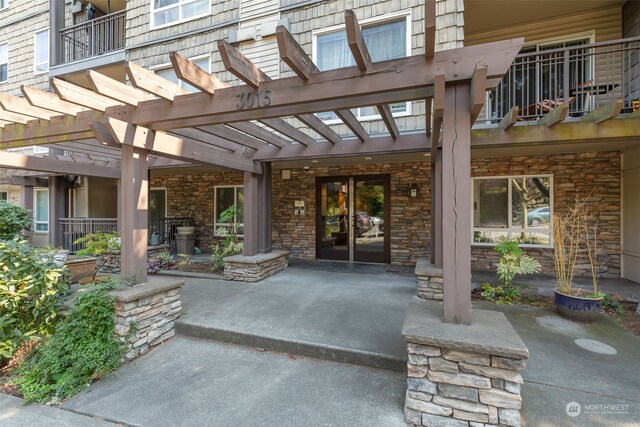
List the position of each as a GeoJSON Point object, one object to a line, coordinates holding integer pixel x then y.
{"type": "Point", "coordinates": [56, 23]}
{"type": "Point", "coordinates": [436, 210]}
{"type": "Point", "coordinates": [456, 204]}
{"type": "Point", "coordinates": [264, 209]}
{"type": "Point", "coordinates": [257, 211]}
{"type": "Point", "coordinates": [27, 203]}
{"type": "Point", "coordinates": [134, 199]}
{"type": "Point", "coordinates": [251, 215]}
{"type": "Point", "coordinates": [56, 209]}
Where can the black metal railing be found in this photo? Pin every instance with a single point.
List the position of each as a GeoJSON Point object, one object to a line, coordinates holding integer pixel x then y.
{"type": "Point", "coordinates": [167, 229]}
{"type": "Point", "coordinates": [95, 37]}
{"type": "Point", "coordinates": [75, 228]}
{"type": "Point", "coordinates": [585, 76]}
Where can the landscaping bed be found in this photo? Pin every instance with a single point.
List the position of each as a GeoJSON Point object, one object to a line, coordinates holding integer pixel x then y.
{"type": "Point", "coordinates": [623, 313]}
{"type": "Point", "coordinates": [194, 267]}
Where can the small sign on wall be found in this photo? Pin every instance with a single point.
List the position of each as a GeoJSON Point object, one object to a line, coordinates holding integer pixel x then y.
{"type": "Point", "coordinates": [299, 207]}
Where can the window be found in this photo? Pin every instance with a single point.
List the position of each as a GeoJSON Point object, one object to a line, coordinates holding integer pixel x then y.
{"type": "Point", "coordinates": [225, 197]}
{"type": "Point", "coordinates": [4, 4]}
{"type": "Point", "coordinates": [41, 52]}
{"type": "Point", "coordinates": [4, 195]}
{"type": "Point", "coordinates": [41, 210]}
{"type": "Point", "coordinates": [4, 62]}
{"type": "Point", "coordinates": [169, 73]}
{"type": "Point", "coordinates": [157, 204]}
{"type": "Point", "coordinates": [514, 207]}
{"type": "Point", "coordinates": [168, 12]}
{"type": "Point", "coordinates": [386, 39]}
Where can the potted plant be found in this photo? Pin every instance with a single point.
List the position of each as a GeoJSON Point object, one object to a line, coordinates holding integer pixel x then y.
{"type": "Point", "coordinates": [575, 233]}
{"type": "Point", "coordinates": [100, 245]}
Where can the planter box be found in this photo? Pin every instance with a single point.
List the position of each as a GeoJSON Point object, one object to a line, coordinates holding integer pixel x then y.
{"type": "Point", "coordinates": [577, 308]}
{"type": "Point", "coordinates": [81, 267]}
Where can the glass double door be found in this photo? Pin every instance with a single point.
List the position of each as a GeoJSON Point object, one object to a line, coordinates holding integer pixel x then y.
{"type": "Point", "coordinates": [353, 218]}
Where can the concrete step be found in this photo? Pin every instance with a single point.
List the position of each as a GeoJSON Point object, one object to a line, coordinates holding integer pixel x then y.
{"type": "Point", "coordinates": [287, 345]}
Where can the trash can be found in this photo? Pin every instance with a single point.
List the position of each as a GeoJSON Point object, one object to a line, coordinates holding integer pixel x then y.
{"type": "Point", "coordinates": [185, 243]}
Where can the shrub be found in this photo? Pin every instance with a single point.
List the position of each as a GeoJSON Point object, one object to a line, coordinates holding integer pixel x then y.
{"type": "Point", "coordinates": [98, 244]}
{"type": "Point", "coordinates": [230, 245]}
{"type": "Point", "coordinates": [30, 294]}
{"type": "Point", "coordinates": [512, 262]}
{"type": "Point", "coordinates": [13, 220]}
{"type": "Point", "coordinates": [82, 348]}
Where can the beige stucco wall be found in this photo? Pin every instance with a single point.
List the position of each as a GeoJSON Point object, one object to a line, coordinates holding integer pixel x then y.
{"type": "Point", "coordinates": [631, 214]}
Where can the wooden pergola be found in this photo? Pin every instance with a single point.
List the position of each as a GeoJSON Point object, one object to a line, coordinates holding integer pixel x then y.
{"type": "Point", "coordinates": [247, 127]}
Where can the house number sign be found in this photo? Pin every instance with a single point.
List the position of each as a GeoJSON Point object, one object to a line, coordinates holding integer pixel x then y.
{"type": "Point", "coordinates": [260, 98]}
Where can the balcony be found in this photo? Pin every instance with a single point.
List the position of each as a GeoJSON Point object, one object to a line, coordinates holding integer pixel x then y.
{"type": "Point", "coordinates": [92, 38]}
{"type": "Point", "coordinates": [586, 76]}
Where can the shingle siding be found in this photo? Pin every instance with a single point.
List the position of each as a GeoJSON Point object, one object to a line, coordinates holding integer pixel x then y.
{"type": "Point", "coordinates": [18, 24]}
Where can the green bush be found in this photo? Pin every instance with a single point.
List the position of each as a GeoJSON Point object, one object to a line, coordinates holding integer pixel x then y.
{"type": "Point", "coordinates": [82, 348]}
{"type": "Point", "coordinates": [501, 294]}
{"type": "Point", "coordinates": [30, 294]}
{"type": "Point", "coordinates": [513, 261]}
{"type": "Point", "coordinates": [13, 220]}
{"type": "Point", "coordinates": [98, 244]}
{"type": "Point", "coordinates": [231, 245]}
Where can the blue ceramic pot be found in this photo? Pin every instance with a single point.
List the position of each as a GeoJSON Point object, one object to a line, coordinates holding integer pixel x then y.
{"type": "Point", "coordinates": [577, 308]}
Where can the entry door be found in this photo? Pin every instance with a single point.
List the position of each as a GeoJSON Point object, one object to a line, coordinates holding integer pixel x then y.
{"type": "Point", "coordinates": [353, 219]}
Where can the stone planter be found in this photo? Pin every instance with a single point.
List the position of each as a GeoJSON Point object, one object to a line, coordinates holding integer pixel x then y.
{"type": "Point", "coordinates": [577, 308]}
{"type": "Point", "coordinates": [81, 267]}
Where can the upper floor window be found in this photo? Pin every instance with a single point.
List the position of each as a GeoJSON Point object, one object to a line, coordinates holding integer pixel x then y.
{"type": "Point", "coordinates": [4, 4]}
{"type": "Point", "coordinates": [386, 38]}
{"type": "Point", "coordinates": [4, 62]}
{"type": "Point", "coordinates": [168, 12]}
{"type": "Point", "coordinates": [41, 52]}
{"type": "Point", "coordinates": [170, 74]}
{"type": "Point", "coordinates": [515, 207]}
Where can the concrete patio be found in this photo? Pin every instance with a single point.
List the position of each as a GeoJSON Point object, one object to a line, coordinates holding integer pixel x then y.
{"type": "Point", "coordinates": [299, 327]}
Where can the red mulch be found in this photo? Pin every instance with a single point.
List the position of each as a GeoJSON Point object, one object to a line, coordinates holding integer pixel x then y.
{"type": "Point", "coordinates": [10, 365]}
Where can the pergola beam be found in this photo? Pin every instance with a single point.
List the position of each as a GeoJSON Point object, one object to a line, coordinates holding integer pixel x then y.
{"type": "Point", "coordinates": [388, 120]}
{"type": "Point", "coordinates": [260, 133]}
{"type": "Point", "coordinates": [236, 63]}
{"type": "Point", "coordinates": [166, 145]}
{"type": "Point", "coordinates": [234, 136]}
{"type": "Point", "coordinates": [116, 90]}
{"type": "Point", "coordinates": [408, 143]}
{"type": "Point", "coordinates": [44, 164]}
{"type": "Point", "coordinates": [356, 42]}
{"type": "Point", "coordinates": [293, 55]}
{"type": "Point", "coordinates": [21, 106]}
{"type": "Point", "coordinates": [429, 29]}
{"type": "Point", "coordinates": [151, 82]}
{"type": "Point", "coordinates": [478, 89]}
{"type": "Point", "coordinates": [50, 101]}
{"type": "Point", "coordinates": [194, 75]}
{"type": "Point", "coordinates": [207, 138]}
{"type": "Point", "coordinates": [604, 112]}
{"type": "Point", "coordinates": [289, 130]}
{"type": "Point", "coordinates": [509, 119]}
{"type": "Point", "coordinates": [81, 96]}
{"type": "Point", "coordinates": [555, 116]}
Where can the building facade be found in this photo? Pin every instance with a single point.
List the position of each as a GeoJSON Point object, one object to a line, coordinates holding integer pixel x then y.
{"type": "Point", "coordinates": [374, 208]}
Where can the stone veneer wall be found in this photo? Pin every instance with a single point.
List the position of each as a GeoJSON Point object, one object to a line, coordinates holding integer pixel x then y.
{"type": "Point", "coordinates": [255, 268]}
{"type": "Point", "coordinates": [453, 388]}
{"type": "Point", "coordinates": [194, 193]}
{"type": "Point", "coordinates": [145, 315]}
{"type": "Point", "coordinates": [410, 224]}
{"type": "Point", "coordinates": [598, 173]}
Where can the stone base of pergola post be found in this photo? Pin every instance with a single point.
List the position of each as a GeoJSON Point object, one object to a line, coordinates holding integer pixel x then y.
{"type": "Point", "coordinates": [462, 375]}
{"type": "Point", "coordinates": [243, 268]}
{"type": "Point", "coordinates": [429, 280]}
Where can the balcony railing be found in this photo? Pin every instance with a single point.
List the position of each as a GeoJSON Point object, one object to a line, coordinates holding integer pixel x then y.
{"type": "Point", "coordinates": [584, 76]}
{"type": "Point", "coordinates": [75, 228]}
{"type": "Point", "coordinates": [95, 37]}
